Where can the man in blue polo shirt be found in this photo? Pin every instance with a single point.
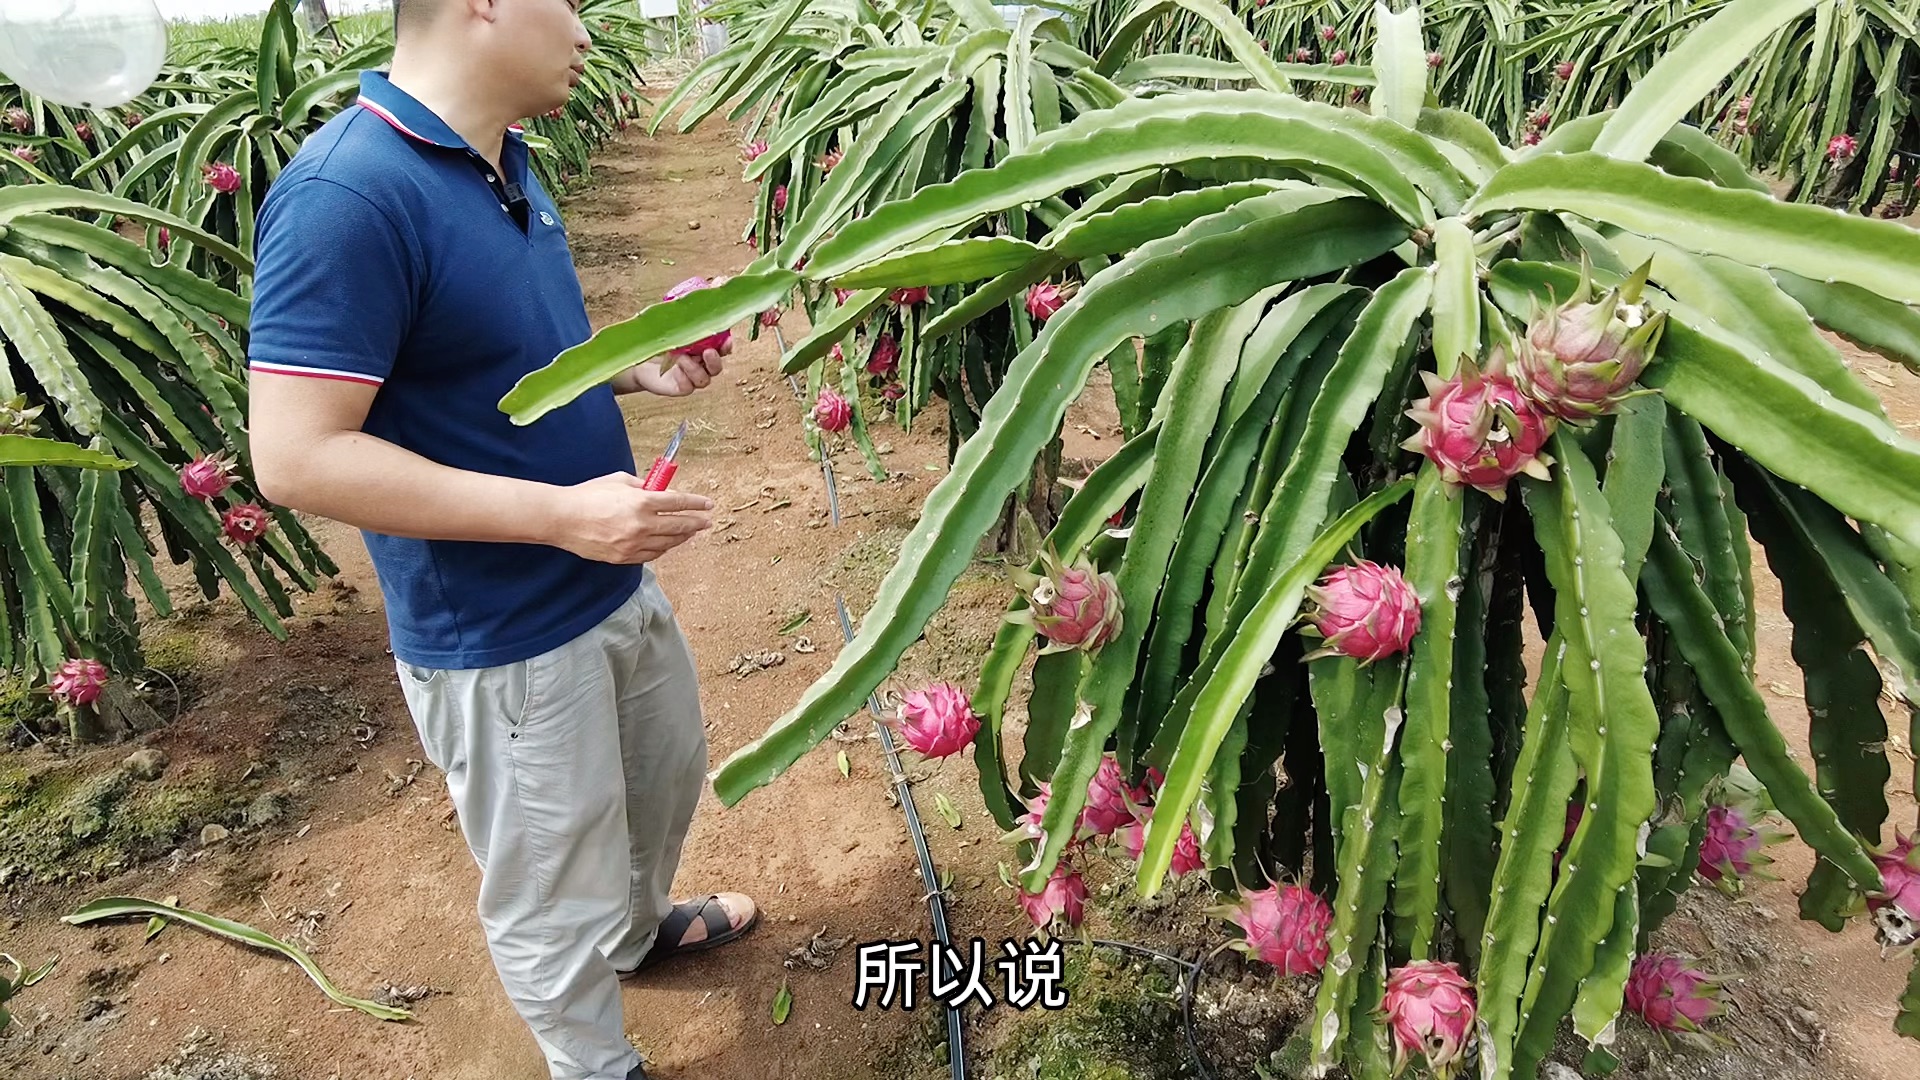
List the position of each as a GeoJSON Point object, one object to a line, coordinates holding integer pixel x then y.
{"type": "Point", "coordinates": [410, 270]}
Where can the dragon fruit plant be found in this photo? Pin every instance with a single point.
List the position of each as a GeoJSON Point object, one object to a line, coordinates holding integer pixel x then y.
{"type": "Point", "coordinates": [1385, 336]}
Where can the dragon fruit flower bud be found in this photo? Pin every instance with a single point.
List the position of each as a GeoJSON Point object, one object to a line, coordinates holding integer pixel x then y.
{"type": "Point", "coordinates": [1896, 906]}
{"type": "Point", "coordinates": [222, 177]}
{"type": "Point", "coordinates": [937, 721]}
{"type": "Point", "coordinates": [886, 356]}
{"type": "Point", "coordinates": [83, 131]}
{"type": "Point", "coordinates": [711, 341]}
{"type": "Point", "coordinates": [1046, 299]}
{"type": "Point", "coordinates": [1366, 611]}
{"type": "Point", "coordinates": [1579, 361]}
{"type": "Point", "coordinates": [1064, 897]}
{"type": "Point", "coordinates": [17, 417]}
{"type": "Point", "coordinates": [1074, 605]}
{"type": "Point", "coordinates": [78, 681]}
{"type": "Point", "coordinates": [1285, 926]}
{"type": "Point", "coordinates": [1029, 826]}
{"type": "Point", "coordinates": [27, 154]}
{"type": "Point", "coordinates": [832, 411]}
{"type": "Point", "coordinates": [1842, 147]}
{"type": "Point", "coordinates": [1429, 1009]}
{"type": "Point", "coordinates": [246, 523]}
{"type": "Point", "coordinates": [1671, 994]}
{"type": "Point", "coordinates": [893, 392]}
{"type": "Point", "coordinates": [1479, 429]}
{"type": "Point", "coordinates": [1734, 848]}
{"type": "Point", "coordinates": [206, 476]}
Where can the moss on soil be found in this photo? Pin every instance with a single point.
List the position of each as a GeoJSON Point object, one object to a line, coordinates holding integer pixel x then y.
{"type": "Point", "coordinates": [21, 704]}
{"type": "Point", "coordinates": [1121, 1022]}
{"type": "Point", "coordinates": [59, 823]}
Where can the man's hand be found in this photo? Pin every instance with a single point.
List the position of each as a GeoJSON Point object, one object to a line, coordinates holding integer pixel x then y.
{"type": "Point", "coordinates": [614, 520]}
{"type": "Point", "coordinates": [688, 373]}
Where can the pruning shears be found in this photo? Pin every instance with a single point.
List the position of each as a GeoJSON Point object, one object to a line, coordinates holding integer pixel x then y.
{"type": "Point", "coordinates": [664, 466]}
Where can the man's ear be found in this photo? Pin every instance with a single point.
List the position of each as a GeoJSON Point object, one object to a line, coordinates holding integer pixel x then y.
{"type": "Point", "coordinates": [487, 10]}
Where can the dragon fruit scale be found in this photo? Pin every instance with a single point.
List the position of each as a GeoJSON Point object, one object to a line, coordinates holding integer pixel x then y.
{"type": "Point", "coordinates": [1670, 994]}
{"type": "Point", "coordinates": [937, 721]}
{"type": "Point", "coordinates": [1733, 848]}
{"type": "Point", "coordinates": [1479, 429]}
{"type": "Point", "coordinates": [1580, 359]}
{"type": "Point", "coordinates": [1896, 906]}
{"type": "Point", "coordinates": [1366, 611]}
{"type": "Point", "coordinates": [1074, 605]}
{"type": "Point", "coordinates": [1285, 926]}
{"type": "Point", "coordinates": [1429, 1009]}
{"type": "Point", "coordinates": [711, 341]}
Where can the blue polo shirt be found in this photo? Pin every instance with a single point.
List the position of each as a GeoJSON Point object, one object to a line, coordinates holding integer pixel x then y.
{"type": "Point", "coordinates": [389, 253]}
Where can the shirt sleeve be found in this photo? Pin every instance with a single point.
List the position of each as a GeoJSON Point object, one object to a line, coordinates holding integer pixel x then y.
{"type": "Point", "coordinates": [333, 286]}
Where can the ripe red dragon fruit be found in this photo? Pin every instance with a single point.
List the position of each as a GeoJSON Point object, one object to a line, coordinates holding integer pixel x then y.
{"type": "Point", "coordinates": [1366, 611]}
{"type": "Point", "coordinates": [1064, 897]}
{"type": "Point", "coordinates": [1896, 907]}
{"type": "Point", "coordinates": [83, 131]}
{"type": "Point", "coordinates": [1074, 605]}
{"type": "Point", "coordinates": [1563, 70]}
{"type": "Point", "coordinates": [1339, 57]}
{"type": "Point", "coordinates": [1282, 925]}
{"type": "Point", "coordinates": [752, 151]}
{"type": "Point", "coordinates": [1670, 994]}
{"type": "Point", "coordinates": [1046, 299]}
{"type": "Point", "coordinates": [245, 523]}
{"type": "Point", "coordinates": [711, 341]}
{"type": "Point", "coordinates": [1580, 360]}
{"type": "Point", "coordinates": [1186, 850]}
{"type": "Point", "coordinates": [1479, 429]}
{"type": "Point", "coordinates": [78, 681]}
{"type": "Point", "coordinates": [886, 356]}
{"type": "Point", "coordinates": [770, 318]}
{"type": "Point", "coordinates": [1429, 1008]}
{"type": "Point", "coordinates": [937, 721]}
{"type": "Point", "coordinates": [20, 121]}
{"type": "Point", "coordinates": [206, 476]}
{"type": "Point", "coordinates": [1028, 826]}
{"type": "Point", "coordinates": [1111, 802]}
{"type": "Point", "coordinates": [909, 297]}
{"type": "Point", "coordinates": [221, 177]}
{"type": "Point", "coordinates": [1734, 847]}
{"type": "Point", "coordinates": [831, 411]}
{"type": "Point", "coordinates": [1328, 33]}
{"type": "Point", "coordinates": [1842, 147]}
{"type": "Point", "coordinates": [780, 202]}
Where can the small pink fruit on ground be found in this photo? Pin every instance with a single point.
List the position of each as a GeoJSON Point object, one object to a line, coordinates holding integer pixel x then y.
{"type": "Point", "coordinates": [1671, 994]}
{"type": "Point", "coordinates": [1282, 925]}
{"type": "Point", "coordinates": [937, 721]}
{"type": "Point", "coordinates": [711, 341]}
{"type": "Point", "coordinates": [206, 476]}
{"type": "Point", "coordinates": [78, 681]}
{"type": "Point", "coordinates": [1064, 897]}
{"type": "Point", "coordinates": [886, 356]}
{"type": "Point", "coordinates": [245, 523]}
{"type": "Point", "coordinates": [1046, 299]}
{"type": "Point", "coordinates": [909, 297]}
{"type": "Point", "coordinates": [1074, 605]}
{"type": "Point", "coordinates": [1429, 1008]}
{"type": "Point", "coordinates": [1479, 429]}
{"type": "Point", "coordinates": [1580, 360]}
{"type": "Point", "coordinates": [1734, 848]}
{"type": "Point", "coordinates": [1366, 611]}
{"type": "Point", "coordinates": [222, 177]}
{"type": "Point", "coordinates": [1896, 907]}
{"type": "Point", "coordinates": [831, 411]}
{"type": "Point", "coordinates": [1842, 147]}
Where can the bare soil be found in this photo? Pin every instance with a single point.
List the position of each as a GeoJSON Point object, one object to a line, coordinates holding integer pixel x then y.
{"type": "Point", "coordinates": [340, 839]}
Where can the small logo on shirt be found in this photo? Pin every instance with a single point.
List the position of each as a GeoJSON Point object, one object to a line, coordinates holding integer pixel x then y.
{"type": "Point", "coordinates": [546, 218]}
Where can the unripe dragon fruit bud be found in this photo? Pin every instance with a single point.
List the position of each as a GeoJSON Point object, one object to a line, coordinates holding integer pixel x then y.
{"type": "Point", "coordinates": [1842, 147]}
{"type": "Point", "coordinates": [1186, 850]}
{"type": "Point", "coordinates": [1030, 825]}
{"type": "Point", "coordinates": [1339, 57]}
{"type": "Point", "coordinates": [770, 318]}
{"type": "Point", "coordinates": [27, 154]}
{"type": "Point", "coordinates": [1563, 70]}
{"type": "Point", "coordinates": [1282, 925]}
{"type": "Point", "coordinates": [780, 202]}
{"type": "Point", "coordinates": [1436, 60]}
{"type": "Point", "coordinates": [886, 356]}
{"type": "Point", "coordinates": [711, 341]}
{"type": "Point", "coordinates": [245, 523]}
{"type": "Point", "coordinates": [1064, 897]}
{"type": "Point", "coordinates": [1479, 429]}
{"type": "Point", "coordinates": [1046, 299]}
{"type": "Point", "coordinates": [206, 476]}
{"type": "Point", "coordinates": [1896, 907]}
{"type": "Point", "coordinates": [909, 297]}
{"type": "Point", "coordinates": [937, 721]}
{"type": "Point", "coordinates": [1429, 1008]}
{"type": "Point", "coordinates": [751, 152]}
{"type": "Point", "coordinates": [831, 411]}
{"type": "Point", "coordinates": [1366, 611]}
{"type": "Point", "coordinates": [1303, 55]}
{"type": "Point", "coordinates": [1734, 848]}
{"type": "Point", "coordinates": [20, 121]}
{"type": "Point", "coordinates": [1671, 994]}
{"type": "Point", "coordinates": [1328, 33]}
{"type": "Point", "coordinates": [83, 131]}
{"type": "Point", "coordinates": [1074, 605]}
{"type": "Point", "coordinates": [78, 681]}
{"type": "Point", "coordinates": [830, 159]}
{"type": "Point", "coordinates": [222, 177]}
{"type": "Point", "coordinates": [1580, 360]}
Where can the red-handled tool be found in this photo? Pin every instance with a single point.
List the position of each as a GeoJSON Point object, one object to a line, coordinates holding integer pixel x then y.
{"type": "Point", "coordinates": [664, 466]}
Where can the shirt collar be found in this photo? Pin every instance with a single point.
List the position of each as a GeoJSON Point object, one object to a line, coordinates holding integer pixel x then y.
{"type": "Point", "coordinates": [408, 116]}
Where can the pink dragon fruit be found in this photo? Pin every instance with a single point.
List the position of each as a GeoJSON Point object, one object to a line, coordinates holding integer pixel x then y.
{"type": "Point", "coordinates": [221, 177]}
{"type": "Point", "coordinates": [206, 476]}
{"type": "Point", "coordinates": [78, 681]}
{"type": "Point", "coordinates": [893, 392]}
{"type": "Point", "coordinates": [1563, 70]}
{"type": "Point", "coordinates": [1074, 605]}
{"type": "Point", "coordinates": [909, 297]}
{"type": "Point", "coordinates": [1046, 299]}
{"type": "Point", "coordinates": [1028, 826]}
{"type": "Point", "coordinates": [937, 721]}
{"type": "Point", "coordinates": [1429, 1008]}
{"type": "Point", "coordinates": [1303, 55]}
{"type": "Point", "coordinates": [1734, 848]}
{"type": "Point", "coordinates": [83, 131]}
{"type": "Point", "coordinates": [245, 523]}
{"type": "Point", "coordinates": [1186, 850]}
{"type": "Point", "coordinates": [1064, 897]}
{"type": "Point", "coordinates": [1339, 57]}
{"type": "Point", "coordinates": [1896, 907]}
{"type": "Point", "coordinates": [1842, 147]}
{"type": "Point", "coordinates": [1111, 802]}
{"type": "Point", "coordinates": [1479, 429]}
{"type": "Point", "coordinates": [20, 121]}
{"type": "Point", "coordinates": [830, 159]}
{"type": "Point", "coordinates": [711, 341]}
{"type": "Point", "coordinates": [1436, 60]}
{"type": "Point", "coordinates": [27, 154]}
{"type": "Point", "coordinates": [1282, 925]}
{"type": "Point", "coordinates": [831, 411]}
{"type": "Point", "coordinates": [1531, 138]}
{"type": "Point", "coordinates": [780, 202]}
{"type": "Point", "coordinates": [1366, 611]}
{"type": "Point", "coordinates": [770, 318]}
{"type": "Point", "coordinates": [751, 152]}
{"type": "Point", "coordinates": [1671, 994]}
{"type": "Point", "coordinates": [1579, 360]}
{"type": "Point", "coordinates": [886, 356]}
{"type": "Point", "coordinates": [1328, 33]}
